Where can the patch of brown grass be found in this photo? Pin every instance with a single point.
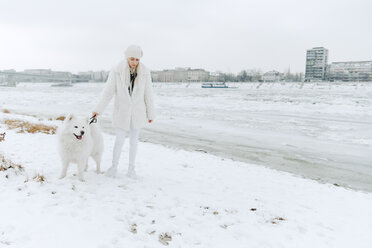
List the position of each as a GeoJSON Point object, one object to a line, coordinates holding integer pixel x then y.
{"type": "Point", "coordinates": [276, 220]}
{"type": "Point", "coordinates": [165, 238]}
{"type": "Point", "coordinates": [28, 127]}
{"type": "Point", "coordinates": [39, 178]}
{"type": "Point", "coordinates": [133, 228]}
{"type": "Point", "coordinates": [61, 118]}
{"type": "Point", "coordinates": [6, 164]}
{"type": "Point", "coordinates": [6, 111]}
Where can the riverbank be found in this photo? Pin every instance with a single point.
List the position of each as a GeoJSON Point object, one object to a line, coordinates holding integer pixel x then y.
{"type": "Point", "coordinates": [320, 131]}
{"type": "Point", "coordinates": [181, 199]}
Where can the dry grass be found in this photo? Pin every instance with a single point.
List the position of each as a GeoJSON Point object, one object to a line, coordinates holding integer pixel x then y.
{"type": "Point", "coordinates": [39, 178]}
{"type": "Point", "coordinates": [165, 238]}
{"type": "Point", "coordinates": [61, 118]}
{"type": "Point", "coordinates": [277, 220]}
{"type": "Point", "coordinates": [28, 127]}
{"type": "Point", "coordinates": [6, 111]}
{"type": "Point", "coordinates": [133, 228]}
{"type": "Point", "coordinates": [6, 164]}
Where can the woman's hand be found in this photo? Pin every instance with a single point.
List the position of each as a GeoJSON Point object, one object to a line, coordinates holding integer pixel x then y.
{"type": "Point", "coordinates": [94, 115]}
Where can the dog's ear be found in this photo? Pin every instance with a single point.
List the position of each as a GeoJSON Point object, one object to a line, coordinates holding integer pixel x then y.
{"type": "Point", "coordinates": [70, 117]}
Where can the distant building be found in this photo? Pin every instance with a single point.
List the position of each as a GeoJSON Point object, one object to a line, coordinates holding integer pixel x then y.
{"type": "Point", "coordinates": [85, 76]}
{"type": "Point", "coordinates": [167, 76]}
{"type": "Point", "coordinates": [100, 76]}
{"type": "Point", "coordinates": [197, 75]}
{"type": "Point", "coordinates": [317, 68]}
{"type": "Point", "coordinates": [316, 64]}
{"type": "Point", "coordinates": [47, 75]}
{"type": "Point", "coordinates": [49, 72]}
{"type": "Point", "coordinates": [2, 78]}
{"type": "Point", "coordinates": [163, 76]}
{"type": "Point", "coordinates": [271, 76]}
{"type": "Point", "coordinates": [61, 74]}
{"type": "Point", "coordinates": [155, 75]}
{"type": "Point", "coordinates": [352, 71]}
{"type": "Point", "coordinates": [215, 76]}
{"type": "Point", "coordinates": [92, 76]}
{"type": "Point", "coordinates": [10, 70]}
{"type": "Point", "coordinates": [38, 71]}
{"type": "Point", "coordinates": [180, 75]}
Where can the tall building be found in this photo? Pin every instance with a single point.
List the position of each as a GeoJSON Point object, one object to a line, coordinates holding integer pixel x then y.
{"type": "Point", "coordinates": [316, 64]}
{"type": "Point", "coordinates": [352, 71]}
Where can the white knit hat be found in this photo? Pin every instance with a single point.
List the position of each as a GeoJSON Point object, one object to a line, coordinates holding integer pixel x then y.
{"type": "Point", "coordinates": [133, 51]}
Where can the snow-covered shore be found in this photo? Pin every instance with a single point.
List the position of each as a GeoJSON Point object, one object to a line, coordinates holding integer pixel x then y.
{"type": "Point", "coordinates": [183, 199]}
{"type": "Point", "coordinates": [317, 130]}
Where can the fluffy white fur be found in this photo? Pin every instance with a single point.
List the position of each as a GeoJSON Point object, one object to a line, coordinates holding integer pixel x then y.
{"type": "Point", "coordinates": [136, 108]}
{"type": "Point", "coordinates": [77, 141]}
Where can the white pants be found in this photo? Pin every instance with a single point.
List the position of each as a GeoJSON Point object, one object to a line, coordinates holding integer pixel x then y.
{"type": "Point", "coordinates": [119, 142]}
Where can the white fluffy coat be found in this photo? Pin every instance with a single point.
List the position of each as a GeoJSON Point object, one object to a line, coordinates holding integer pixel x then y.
{"type": "Point", "coordinates": [139, 106]}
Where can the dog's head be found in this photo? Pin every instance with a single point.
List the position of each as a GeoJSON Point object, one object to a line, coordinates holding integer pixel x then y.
{"type": "Point", "coordinates": [76, 126]}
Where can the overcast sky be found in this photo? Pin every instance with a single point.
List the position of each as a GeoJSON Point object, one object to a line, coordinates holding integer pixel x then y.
{"type": "Point", "coordinates": [215, 35]}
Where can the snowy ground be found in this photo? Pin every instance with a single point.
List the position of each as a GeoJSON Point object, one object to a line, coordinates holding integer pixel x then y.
{"type": "Point", "coordinates": [197, 199]}
{"type": "Point", "coordinates": [317, 130]}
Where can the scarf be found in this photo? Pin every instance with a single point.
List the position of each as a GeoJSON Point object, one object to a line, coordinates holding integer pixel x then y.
{"type": "Point", "coordinates": [133, 75]}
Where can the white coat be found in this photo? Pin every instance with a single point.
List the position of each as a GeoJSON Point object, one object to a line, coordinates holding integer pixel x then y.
{"type": "Point", "coordinates": [139, 106]}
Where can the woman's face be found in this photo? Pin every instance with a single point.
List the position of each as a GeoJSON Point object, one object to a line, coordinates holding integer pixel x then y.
{"type": "Point", "coordinates": [133, 62]}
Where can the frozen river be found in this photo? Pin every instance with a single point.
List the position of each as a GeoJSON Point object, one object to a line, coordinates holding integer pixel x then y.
{"type": "Point", "coordinates": [316, 130]}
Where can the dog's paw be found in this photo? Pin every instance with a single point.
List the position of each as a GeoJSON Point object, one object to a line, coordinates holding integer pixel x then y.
{"type": "Point", "coordinates": [99, 172]}
{"type": "Point", "coordinates": [61, 177]}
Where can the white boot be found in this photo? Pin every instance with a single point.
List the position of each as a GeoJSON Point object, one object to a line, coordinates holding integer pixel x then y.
{"type": "Point", "coordinates": [131, 172]}
{"type": "Point", "coordinates": [111, 172]}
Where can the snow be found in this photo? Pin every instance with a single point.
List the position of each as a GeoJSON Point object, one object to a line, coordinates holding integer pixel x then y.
{"type": "Point", "coordinates": [321, 131]}
{"type": "Point", "coordinates": [198, 199]}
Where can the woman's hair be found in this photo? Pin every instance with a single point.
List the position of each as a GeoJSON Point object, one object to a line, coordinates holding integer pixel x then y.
{"type": "Point", "coordinates": [133, 70]}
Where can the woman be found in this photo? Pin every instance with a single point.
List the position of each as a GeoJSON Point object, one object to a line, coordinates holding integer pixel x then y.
{"type": "Point", "coordinates": [130, 83]}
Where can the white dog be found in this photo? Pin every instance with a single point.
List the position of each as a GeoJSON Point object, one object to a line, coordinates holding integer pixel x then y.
{"type": "Point", "coordinates": [77, 141]}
